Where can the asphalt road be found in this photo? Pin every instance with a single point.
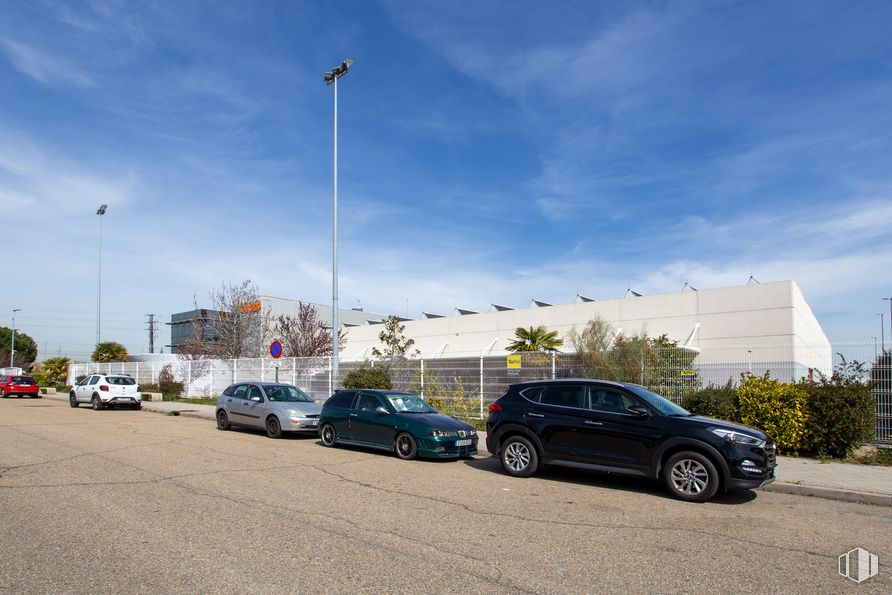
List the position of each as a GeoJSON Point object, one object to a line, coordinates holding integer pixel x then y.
{"type": "Point", "coordinates": [121, 501]}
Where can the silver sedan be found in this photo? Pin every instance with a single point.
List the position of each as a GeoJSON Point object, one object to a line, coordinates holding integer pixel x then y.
{"type": "Point", "coordinates": [273, 407]}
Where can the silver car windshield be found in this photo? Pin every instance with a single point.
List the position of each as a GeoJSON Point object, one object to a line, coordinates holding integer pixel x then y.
{"type": "Point", "coordinates": [287, 393]}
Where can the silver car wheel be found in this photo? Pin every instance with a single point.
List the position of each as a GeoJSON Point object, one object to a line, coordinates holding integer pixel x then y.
{"type": "Point", "coordinates": [689, 477]}
{"type": "Point", "coordinates": [517, 456]}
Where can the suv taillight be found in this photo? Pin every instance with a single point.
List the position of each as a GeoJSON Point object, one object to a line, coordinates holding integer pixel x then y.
{"type": "Point", "coordinates": [103, 388]}
{"type": "Point", "coordinates": [494, 407]}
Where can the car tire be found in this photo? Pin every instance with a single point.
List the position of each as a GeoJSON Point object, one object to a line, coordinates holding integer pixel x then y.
{"type": "Point", "coordinates": [405, 446]}
{"type": "Point", "coordinates": [327, 435]}
{"type": "Point", "coordinates": [273, 427]}
{"type": "Point", "coordinates": [519, 457]}
{"type": "Point", "coordinates": [222, 420]}
{"type": "Point", "coordinates": [136, 407]}
{"type": "Point", "coordinates": [96, 403]}
{"type": "Point", "coordinates": [72, 400]}
{"type": "Point", "coordinates": [691, 476]}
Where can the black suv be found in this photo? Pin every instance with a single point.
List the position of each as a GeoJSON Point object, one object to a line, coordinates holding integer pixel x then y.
{"type": "Point", "coordinates": [625, 428]}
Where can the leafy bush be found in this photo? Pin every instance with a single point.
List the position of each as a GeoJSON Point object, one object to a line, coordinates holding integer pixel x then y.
{"type": "Point", "coordinates": [841, 412]}
{"type": "Point", "coordinates": [454, 402]}
{"type": "Point", "coordinates": [719, 402]}
{"type": "Point", "coordinates": [779, 410]}
{"type": "Point", "coordinates": [53, 371]}
{"type": "Point", "coordinates": [109, 351]}
{"type": "Point", "coordinates": [368, 376]}
{"type": "Point", "coordinates": [168, 385]}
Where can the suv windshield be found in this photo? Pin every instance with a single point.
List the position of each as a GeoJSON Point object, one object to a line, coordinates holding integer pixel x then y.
{"type": "Point", "coordinates": [120, 380]}
{"type": "Point", "coordinates": [409, 403]}
{"type": "Point", "coordinates": [287, 393]}
{"type": "Point", "coordinates": [664, 406]}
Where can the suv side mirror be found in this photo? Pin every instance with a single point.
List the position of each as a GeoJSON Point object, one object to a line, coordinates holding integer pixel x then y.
{"type": "Point", "coordinates": [639, 410]}
{"type": "Point", "coordinates": [381, 410]}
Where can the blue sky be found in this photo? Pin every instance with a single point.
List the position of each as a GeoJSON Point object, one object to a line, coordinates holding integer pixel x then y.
{"type": "Point", "coordinates": [489, 153]}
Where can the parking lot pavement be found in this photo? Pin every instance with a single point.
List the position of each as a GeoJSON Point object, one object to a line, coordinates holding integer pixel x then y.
{"type": "Point", "coordinates": [115, 501]}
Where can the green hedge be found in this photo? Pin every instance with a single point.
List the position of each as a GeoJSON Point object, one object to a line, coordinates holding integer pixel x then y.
{"type": "Point", "coordinates": [719, 402]}
{"type": "Point", "coordinates": [368, 376]}
{"type": "Point", "coordinates": [841, 416]}
{"type": "Point", "coordinates": [780, 410]}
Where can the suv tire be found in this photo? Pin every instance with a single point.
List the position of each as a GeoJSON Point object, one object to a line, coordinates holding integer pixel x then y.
{"type": "Point", "coordinates": [519, 457]}
{"type": "Point", "coordinates": [691, 476]}
{"type": "Point", "coordinates": [97, 404]}
{"type": "Point", "coordinates": [72, 400]}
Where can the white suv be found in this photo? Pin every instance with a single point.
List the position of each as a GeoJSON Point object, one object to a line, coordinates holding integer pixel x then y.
{"type": "Point", "coordinates": [106, 390]}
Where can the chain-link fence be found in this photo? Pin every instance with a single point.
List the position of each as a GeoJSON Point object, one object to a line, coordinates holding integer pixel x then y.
{"type": "Point", "coordinates": [466, 386]}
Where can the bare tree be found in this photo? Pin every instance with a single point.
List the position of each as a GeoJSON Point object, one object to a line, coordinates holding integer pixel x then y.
{"type": "Point", "coordinates": [305, 335]}
{"type": "Point", "coordinates": [236, 326]}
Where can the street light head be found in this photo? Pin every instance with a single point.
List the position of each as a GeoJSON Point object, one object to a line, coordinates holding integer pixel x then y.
{"type": "Point", "coordinates": [101, 210]}
{"type": "Point", "coordinates": [17, 310]}
{"type": "Point", "coordinates": [338, 71]}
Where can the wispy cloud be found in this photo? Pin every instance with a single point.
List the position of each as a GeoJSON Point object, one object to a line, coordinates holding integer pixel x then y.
{"type": "Point", "coordinates": [42, 66]}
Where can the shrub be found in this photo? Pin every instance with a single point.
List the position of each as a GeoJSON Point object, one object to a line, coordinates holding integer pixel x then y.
{"type": "Point", "coordinates": [53, 371]}
{"type": "Point", "coordinates": [779, 410]}
{"type": "Point", "coordinates": [168, 385]}
{"type": "Point", "coordinates": [719, 402]}
{"type": "Point", "coordinates": [841, 412]}
{"type": "Point", "coordinates": [368, 376]}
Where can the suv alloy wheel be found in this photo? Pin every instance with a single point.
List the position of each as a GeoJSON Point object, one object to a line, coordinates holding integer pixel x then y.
{"type": "Point", "coordinates": [519, 457]}
{"type": "Point", "coordinates": [691, 476]}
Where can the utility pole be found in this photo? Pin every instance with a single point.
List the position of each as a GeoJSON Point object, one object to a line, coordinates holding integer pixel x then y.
{"type": "Point", "coordinates": [151, 333]}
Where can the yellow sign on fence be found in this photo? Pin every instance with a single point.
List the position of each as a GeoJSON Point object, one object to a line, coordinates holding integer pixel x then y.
{"type": "Point", "coordinates": [687, 373]}
{"type": "Point", "coordinates": [515, 361]}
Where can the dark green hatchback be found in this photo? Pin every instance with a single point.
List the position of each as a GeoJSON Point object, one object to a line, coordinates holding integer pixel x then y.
{"type": "Point", "coordinates": [399, 422]}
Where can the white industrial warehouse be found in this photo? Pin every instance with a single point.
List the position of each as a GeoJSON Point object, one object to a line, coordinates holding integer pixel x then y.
{"type": "Point", "coordinates": [762, 326]}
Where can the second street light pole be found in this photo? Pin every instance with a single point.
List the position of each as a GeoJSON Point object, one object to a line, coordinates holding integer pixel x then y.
{"type": "Point", "coordinates": [100, 211]}
{"type": "Point", "coordinates": [332, 77]}
{"type": "Point", "coordinates": [890, 316]}
{"type": "Point", "coordinates": [12, 348]}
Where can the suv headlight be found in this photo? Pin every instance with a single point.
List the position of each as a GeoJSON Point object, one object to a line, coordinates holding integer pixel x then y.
{"type": "Point", "coordinates": [732, 436]}
{"type": "Point", "coordinates": [442, 433]}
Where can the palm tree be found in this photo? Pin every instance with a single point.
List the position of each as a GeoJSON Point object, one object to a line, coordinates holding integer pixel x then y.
{"type": "Point", "coordinates": [535, 339]}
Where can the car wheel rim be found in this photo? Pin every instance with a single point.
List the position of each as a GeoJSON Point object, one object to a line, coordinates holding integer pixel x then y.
{"type": "Point", "coordinates": [517, 456]}
{"type": "Point", "coordinates": [405, 445]}
{"type": "Point", "coordinates": [221, 420]}
{"type": "Point", "coordinates": [689, 477]}
{"type": "Point", "coordinates": [328, 435]}
{"type": "Point", "coordinates": [273, 426]}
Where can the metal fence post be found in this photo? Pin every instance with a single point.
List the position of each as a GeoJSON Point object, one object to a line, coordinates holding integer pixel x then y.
{"type": "Point", "coordinates": [234, 371]}
{"type": "Point", "coordinates": [294, 371]}
{"type": "Point", "coordinates": [422, 377]}
{"type": "Point", "coordinates": [189, 380]}
{"type": "Point", "coordinates": [330, 360]}
{"type": "Point", "coordinates": [553, 357]}
{"type": "Point", "coordinates": [481, 387]}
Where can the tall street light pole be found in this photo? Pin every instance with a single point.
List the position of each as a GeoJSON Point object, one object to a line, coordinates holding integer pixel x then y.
{"type": "Point", "coordinates": [882, 334]}
{"type": "Point", "coordinates": [331, 77]}
{"type": "Point", "coordinates": [889, 299]}
{"type": "Point", "coordinates": [100, 211]}
{"type": "Point", "coordinates": [12, 348]}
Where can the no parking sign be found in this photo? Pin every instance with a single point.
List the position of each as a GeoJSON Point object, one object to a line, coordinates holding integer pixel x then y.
{"type": "Point", "coordinates": [275, 349]}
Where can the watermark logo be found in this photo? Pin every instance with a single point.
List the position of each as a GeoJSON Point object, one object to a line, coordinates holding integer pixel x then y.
{"type": "Point", "coordinates": [858, 565]}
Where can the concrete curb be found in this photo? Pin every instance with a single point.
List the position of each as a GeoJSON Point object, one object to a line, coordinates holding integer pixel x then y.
{"type": "Point", "coordinates": [800, 489]}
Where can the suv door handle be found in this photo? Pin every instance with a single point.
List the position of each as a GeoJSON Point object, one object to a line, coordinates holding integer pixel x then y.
{"type": "Point", "coordinates": [594, 423]}
{"type": "Point", "coordinates": [535, 415]}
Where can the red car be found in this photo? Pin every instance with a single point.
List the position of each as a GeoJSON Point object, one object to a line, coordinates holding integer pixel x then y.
{"type": "Point", "coordinates": [18, 385]}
